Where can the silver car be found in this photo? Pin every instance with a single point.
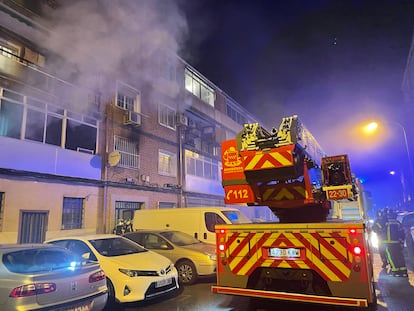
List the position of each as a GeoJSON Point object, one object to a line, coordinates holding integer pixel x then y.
{"type": "Point", "coordinates": [40, 277]}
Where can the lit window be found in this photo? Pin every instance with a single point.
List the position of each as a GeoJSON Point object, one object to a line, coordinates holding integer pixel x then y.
{"type": "Point", "coordinates": [199, 88]}
{"type": "Point", "coordinates": [129, 152]}
{"type": "Point", "coordinates": [9, 50]}
{"type": "Point", "coordinates": [167, 163]}
{"type": "Point", "coordinates": [72, 213]}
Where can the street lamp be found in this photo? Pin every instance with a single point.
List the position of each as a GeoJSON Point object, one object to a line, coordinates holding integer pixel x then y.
{"type": "Point", "coordinates": [403, 185]}
{"type": "Point", "coordinates": [372, 126]}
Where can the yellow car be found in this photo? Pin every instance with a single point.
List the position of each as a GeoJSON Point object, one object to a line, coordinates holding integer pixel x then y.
{"type": "Point", "coordinates": [192, 258]}
{"type": "Point", "coordinates": [133, 273]}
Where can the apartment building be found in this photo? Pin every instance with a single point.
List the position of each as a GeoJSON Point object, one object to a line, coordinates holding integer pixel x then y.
{"type": "Point", "coordinates": [406, 115]}
{"type": "Point", "coordinates": [76, 159]}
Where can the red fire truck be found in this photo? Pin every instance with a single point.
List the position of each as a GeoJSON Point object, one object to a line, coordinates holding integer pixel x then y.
{"type": "Point", "coordinates": [311, 255]}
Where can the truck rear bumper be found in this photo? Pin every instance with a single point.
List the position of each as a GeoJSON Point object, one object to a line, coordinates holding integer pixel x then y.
{"type": "Point", "coordinates": [351, 302]}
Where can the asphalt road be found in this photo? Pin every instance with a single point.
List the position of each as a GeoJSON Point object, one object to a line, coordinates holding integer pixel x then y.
{"type": "Point", "coordinates": [393, 293]}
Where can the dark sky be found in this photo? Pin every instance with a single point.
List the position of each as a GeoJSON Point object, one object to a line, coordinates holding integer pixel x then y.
{"type": "Point", "coordinates": [336, 64]}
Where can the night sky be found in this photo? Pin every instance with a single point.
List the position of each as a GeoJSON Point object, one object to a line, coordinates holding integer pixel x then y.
{"type": "Point", "coordinates": [336, 64]}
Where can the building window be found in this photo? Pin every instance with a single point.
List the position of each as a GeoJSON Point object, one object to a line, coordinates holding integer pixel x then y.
{"type": "Point", "coordinates": [9, 50]}
{"type": "Point", "coordinates": [199, 88]}
{"type": "Point", "coordinates": [201, 166]}
{"type": "Point", "coordinates": [11, 115]}
{"type": "Point", "coordinates": [80, 136]}
{"type": "Point", "coordinates": [128, 98]}
{"type": "Point", "coordinates": [167, 205]}
{"type": "Point", "coordinates": [167, 163]}
{"type": "Point", "coordinates": [72, 214]}
{"type": "Point", "coordinates": [167, 66]}
{"type": "Point", "coordinates": [54, 130]}
{"type": "Point", "coordinates": [129, 152]}
{"type": "Point", "coordinates": [234, 114]}
{"type": "Point", "coordinates": [43, 122]}
{"type": "Point", "coordinates": [166, 116]}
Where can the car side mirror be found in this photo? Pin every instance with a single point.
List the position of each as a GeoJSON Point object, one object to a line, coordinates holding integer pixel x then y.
{"type": "Point", "coordinates": [164, 246]}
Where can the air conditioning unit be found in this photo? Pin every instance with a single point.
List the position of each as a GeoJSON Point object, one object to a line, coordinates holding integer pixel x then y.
{"type": "Point", "coordinates": [181, 119]}
{"type": "Point", "coordinates": [192, 123]}
{"type": "Point", "coordinates": [132, 118]}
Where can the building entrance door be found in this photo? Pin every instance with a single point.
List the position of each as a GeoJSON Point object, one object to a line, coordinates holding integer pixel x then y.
{"type": "Point", "coordinates": [33, 225]}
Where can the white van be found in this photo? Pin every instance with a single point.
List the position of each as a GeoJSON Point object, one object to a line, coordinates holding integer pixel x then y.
{"type": "Point", "coordinates": [196, 221]}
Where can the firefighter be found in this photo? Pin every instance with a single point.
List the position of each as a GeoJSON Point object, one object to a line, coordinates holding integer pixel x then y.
{"type": "Point", "coordinates": [393, 244]}
{"type": "Point", "coordinates": [123, 226]}
{"type": "Point", "coordinates": [379, 227]}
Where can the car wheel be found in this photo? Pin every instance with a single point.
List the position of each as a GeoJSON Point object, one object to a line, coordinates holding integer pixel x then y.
{"type": "Point", "coordinates": [187, 273]}
{"type": "Point", "coordinates": [111, 302]}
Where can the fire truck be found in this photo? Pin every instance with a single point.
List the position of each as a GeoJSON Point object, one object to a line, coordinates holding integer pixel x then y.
{"type": "Point", "coordinates": [312, 255]}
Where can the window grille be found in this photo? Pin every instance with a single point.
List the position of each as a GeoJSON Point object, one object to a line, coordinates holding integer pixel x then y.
{"type": "Point", "coordinates": [72, 213]}
{"type": "Point", "coordinates": [129, 152]}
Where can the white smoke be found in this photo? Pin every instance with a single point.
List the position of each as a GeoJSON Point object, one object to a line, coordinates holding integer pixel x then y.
{"type": "Point", "coordinates": [112, 38]}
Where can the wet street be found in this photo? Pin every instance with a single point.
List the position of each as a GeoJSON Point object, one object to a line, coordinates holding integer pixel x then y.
{"type": "Point", "coordinates": [394, 294]}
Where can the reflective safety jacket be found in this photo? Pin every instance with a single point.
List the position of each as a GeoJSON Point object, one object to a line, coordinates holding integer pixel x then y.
{"type": "Point", "coordinates": [379, 227]}
{"type": "Point", "coordinates": [394, 232]}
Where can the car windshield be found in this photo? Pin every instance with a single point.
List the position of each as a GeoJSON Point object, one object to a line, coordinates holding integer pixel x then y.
{"type": "Point", "coordinates": [116, 246]}
{"type": "Point", "coordinates": [179, 238]}
{"type": "Point", "coordinates": [236, 217]}
{"type": "Point", "coordinates": [40, 260]}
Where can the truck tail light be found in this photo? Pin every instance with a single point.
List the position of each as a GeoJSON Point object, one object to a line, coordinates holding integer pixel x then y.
{"type": "Point", "coordinates": [352, 231]}
{"type": "Point", "coordinates": [221, 246]}
{"type": "Point", "coordinates": [356, 250]}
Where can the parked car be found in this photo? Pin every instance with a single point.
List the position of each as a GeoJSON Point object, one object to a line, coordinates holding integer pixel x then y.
{"type": "Point", "coordinates": [133, 272]}
{"type": "Point", "coordinates": [407, 221]}
{"type": "Point", "coordinates": [192, 258]}
{"type": "Point", "coordinates": [46, 277]}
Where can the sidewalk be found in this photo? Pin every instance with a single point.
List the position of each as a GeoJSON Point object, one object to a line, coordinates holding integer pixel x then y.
{"type": "Point", "coordinates": [394, 293]}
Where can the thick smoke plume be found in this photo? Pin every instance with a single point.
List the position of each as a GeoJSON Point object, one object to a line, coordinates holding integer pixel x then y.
{"type": "Point", "coordinates": [112, 38]}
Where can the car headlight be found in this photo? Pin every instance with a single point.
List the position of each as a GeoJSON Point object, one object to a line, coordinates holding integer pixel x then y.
{"type": "Point", "coordinates": [135, 273]}
{"type": "Point", "coordinates": [212, 256]}
{"type": "Point", "coordinates": [374, 240]}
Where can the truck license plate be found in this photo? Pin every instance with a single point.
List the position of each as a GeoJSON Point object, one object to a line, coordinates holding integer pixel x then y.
{"type": "Point", "coordinates": [284, 252]}
{"type": "Point", "coordinates": [164, 282]}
